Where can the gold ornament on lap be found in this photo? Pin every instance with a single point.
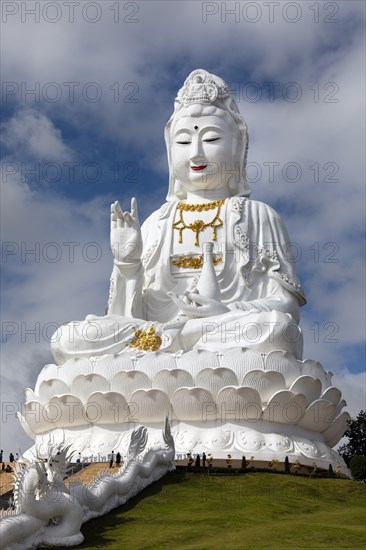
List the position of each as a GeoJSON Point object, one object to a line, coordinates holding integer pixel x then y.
{"type": "Point", "coordinates": [192, 262]}
{"type": "Point", "coordinates": [147, 340]}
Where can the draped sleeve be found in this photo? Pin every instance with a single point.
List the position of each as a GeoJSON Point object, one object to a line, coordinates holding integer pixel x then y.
{"type": "Point", "coordinates": [267, 264]}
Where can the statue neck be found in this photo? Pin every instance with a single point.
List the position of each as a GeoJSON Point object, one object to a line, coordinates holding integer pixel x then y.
{"type": "Point", "coordinates": [209, 195]}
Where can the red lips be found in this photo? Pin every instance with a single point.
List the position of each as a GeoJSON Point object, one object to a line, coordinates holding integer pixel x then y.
{"type": "Point", "coordinates": [199, 167]}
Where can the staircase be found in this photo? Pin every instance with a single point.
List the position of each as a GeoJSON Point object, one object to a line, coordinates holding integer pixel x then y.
{"type": "Point", "coordinates": [88, 472]}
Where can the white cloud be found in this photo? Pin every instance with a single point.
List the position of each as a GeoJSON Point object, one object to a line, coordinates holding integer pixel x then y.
{"type": "Point", "coordinates": [31, 134]}
{"type": "Point", "coordinates": [353, 390]}
{"type": "Point", "coordinates": [46, 293]}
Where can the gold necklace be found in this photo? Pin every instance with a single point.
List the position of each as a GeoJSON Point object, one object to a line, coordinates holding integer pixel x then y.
{"type": "Point", "coordinates": [198, 225]}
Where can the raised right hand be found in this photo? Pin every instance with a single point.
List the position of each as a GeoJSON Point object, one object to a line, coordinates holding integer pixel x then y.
{"type": "Point", "coordinates": [126, 240]}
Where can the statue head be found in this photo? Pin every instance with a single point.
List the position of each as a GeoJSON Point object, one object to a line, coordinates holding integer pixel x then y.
{"type": "Point", "coordinates": [205, 101]}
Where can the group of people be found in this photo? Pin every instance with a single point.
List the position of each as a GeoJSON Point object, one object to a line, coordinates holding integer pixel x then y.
{"type": "Point", "coordinates": [197, 461]}
{"type": "Point", "coordinates": [115, 460]}
{"type": "Point", "coordinates": [12, 458]}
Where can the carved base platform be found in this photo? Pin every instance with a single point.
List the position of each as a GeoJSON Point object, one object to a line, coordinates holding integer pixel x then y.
{"type": "Point", "coordinates": [263, 441]}
{"type": "Point", "coordinates": [239, 402]}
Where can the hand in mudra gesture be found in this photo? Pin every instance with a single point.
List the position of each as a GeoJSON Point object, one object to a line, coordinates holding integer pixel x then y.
{"type": "Point", "coordinates": [126, 241]}
{"type": "Point", "coordinates": [198, 305]}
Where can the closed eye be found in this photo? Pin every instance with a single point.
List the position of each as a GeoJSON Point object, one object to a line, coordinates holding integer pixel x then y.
{"type": "Point", "coordinates": [210, 140]}
{"type": "Point", "coordinates": [183, 142]}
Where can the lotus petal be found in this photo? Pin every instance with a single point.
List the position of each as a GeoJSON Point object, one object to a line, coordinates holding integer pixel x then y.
{"type": "Point", "coordinates": [150, 405]}
{"type": "Point", "coordinates": [49, 388]}
{"type": "Point", "coordinates": [314, 369]}
{"type": "Point", "coordinates": [83, 386]}
{"type": "Point", "coordinates": [111, 364]}
{"type": "Point", "coordinates": [308, 386]}
{"type": "Point", "coordinates": [214, 380]}
{"type": "Point", "coordinates": [48, 372]}
{"type": "Point", "coordinates": [30, 395]}
{"type": "Point", "coordinates": [266, 383]}
{"type": "Point", "coordinates": [332, 394]}
{"type": "Point", "coordinates": [329, 376]}
{"type": "Point", "coordinates": [127, 382]}
{"type": "Point", "coordinates": [73, 368]}
{"type": "Point", "coordinates": [34, 418]}
{"type": "Point", "coordinates": [337, 429]}
{"type": "Point", "coordinates": [107, 408]}
{"type": "Point", "coordinates": [241, 361]}
{"type": "Point", "coordinates": [238, 404]}
{"type": "Point", "coordinates": [196, 360]}
{"type": "Point", "coordinates": [25, 426]}
{"type": "Point", "coordinates": [151, 363]}
{"type": "Point", "coordinates": [341, 405]}
{"type": "Point", "coordinates": [195, 404]}
{"type": "Point", "coordinates": [65, 411]}
{"type": "Point", "coordinates": [285, 407]}
{"type": "Point", "coordinates": [318, 415]}
{"type": "Point", "coordinates": [170, 380]}
{"type": "Point", "coordinates": [285, 363]}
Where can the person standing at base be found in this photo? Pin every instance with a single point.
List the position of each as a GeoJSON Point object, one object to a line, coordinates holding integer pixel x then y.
{"type": "Point", "coordinates": [111, 462]}
{"type": "Point", "coordinates": [1, 456]}
{"type": "Point", "coordinates": [204, 459]}
{"type": "Point", "coordinates": [118, 459]}
{"type": "Point", "coordinates": [11, 457]}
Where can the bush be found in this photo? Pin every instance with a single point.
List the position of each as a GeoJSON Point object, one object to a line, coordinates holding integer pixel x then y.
{"type": "Point", "coordinates": [358, 467]}
{"type": "Point", "coordinates": [330, 471]}
{"type": "Point", "coordinates": [243, 463]}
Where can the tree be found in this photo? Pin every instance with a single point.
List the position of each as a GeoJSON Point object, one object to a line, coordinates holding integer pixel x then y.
{"type": "Point", "coordinates": [287, 465]}
{"type": "Point", "coordinates": [358, 467]}
{"type": "Point", "coordinates": [356, 434]}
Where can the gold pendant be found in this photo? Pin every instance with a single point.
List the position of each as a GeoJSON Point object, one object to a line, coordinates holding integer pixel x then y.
{"type": "Point", "coordinates": [198, 225]}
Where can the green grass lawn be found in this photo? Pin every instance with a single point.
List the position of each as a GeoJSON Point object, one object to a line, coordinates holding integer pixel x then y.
{"type": "Point", "coordinates": [254, 511]}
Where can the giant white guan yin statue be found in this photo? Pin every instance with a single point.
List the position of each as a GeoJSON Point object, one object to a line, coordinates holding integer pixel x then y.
{"type": "Point", "coordinates": [202, 321]}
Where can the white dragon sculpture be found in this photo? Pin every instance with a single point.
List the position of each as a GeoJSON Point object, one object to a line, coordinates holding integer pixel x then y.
{"type": "Point", "coordinates": [47, 513]}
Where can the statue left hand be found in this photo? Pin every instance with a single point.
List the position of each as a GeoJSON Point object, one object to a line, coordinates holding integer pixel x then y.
{"type": "Point", "coordinates": [200, 305]}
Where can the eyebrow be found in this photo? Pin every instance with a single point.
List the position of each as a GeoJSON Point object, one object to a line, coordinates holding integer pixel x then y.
{"type": "Point", "coordinates": [188, 131]}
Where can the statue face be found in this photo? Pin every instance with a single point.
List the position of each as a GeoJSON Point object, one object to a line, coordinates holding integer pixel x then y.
{"type": "Point", "coordinates": [204, 152]}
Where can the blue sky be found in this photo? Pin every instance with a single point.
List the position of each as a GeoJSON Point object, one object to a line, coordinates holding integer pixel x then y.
{"type": "Point", "coordinates": [105, 83]}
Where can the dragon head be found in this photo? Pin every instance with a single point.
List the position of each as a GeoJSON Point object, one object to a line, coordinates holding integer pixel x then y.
{"type": "Point", "coordinates": [57, 461]}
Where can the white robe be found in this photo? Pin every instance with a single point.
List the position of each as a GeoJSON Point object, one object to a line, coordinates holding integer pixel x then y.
{"type": "Point", "coordinates": [257, 280]}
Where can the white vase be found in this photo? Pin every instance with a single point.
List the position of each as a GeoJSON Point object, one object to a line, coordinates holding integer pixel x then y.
{"type": "Point", "coordinates": [208, 284]}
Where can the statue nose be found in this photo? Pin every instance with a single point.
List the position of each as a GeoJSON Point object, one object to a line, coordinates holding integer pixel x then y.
{"type": "Point", "coordinates": [196, 151]}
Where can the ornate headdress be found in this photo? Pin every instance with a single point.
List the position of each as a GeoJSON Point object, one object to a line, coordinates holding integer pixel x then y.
{"type": "Point", "coordinates": [203, 88]}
